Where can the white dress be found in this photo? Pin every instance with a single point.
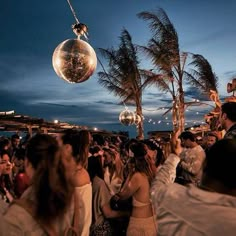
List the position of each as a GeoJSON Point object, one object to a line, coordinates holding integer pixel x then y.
{"type": "Point", "coordinates": [84, 194]}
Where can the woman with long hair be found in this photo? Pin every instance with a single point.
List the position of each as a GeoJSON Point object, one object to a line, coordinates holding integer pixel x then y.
{"type": "Point", "coordinates": [85, 139]}
{"type": "Point", "coordinates": [113, 170]}
{"type": "Point", "coordinates": [102, 211]}
{"type": "Point", "coordinates": [154, 152]}
{"type": "Point", "coordinates": [45, 201]}
{"type": "Point", "coordinates": [137, 186]}
{"type": "Point", "coordinates": [74, 151]}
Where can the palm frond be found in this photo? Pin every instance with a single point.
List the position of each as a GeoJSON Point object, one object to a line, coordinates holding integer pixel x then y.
{"type": "Point", "coordinates": [164, 43]}
{"type": "Point", "coordinates": [191, 78]}
{"type": "Point", "coordinates": [202, 71]}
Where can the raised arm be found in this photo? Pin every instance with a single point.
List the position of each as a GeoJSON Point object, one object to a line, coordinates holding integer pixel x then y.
{"type": "Point", "coordinates": [167, 173]}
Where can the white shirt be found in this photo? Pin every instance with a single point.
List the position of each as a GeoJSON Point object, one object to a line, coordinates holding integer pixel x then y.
{"type": "Point", "coordinates": [189, 210]}
{"type": "Point", "coordinates": [191, 163]}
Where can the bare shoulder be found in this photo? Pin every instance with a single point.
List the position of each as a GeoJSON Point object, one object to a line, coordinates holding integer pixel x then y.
{"type": "Point", "coordinates": [137, 176]}
{"type": "Point", "coordinates": [81, 178]}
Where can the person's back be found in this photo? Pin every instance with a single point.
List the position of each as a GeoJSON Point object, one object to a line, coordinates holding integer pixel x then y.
{"type": "Point", "coordinates": [192, 211]}
{"type": "Point", "coordinates": [45, 201]}
{"type": "Point", "coordinates": [209, 209]}
{"type": "Point", "coordinates": [137, 186]}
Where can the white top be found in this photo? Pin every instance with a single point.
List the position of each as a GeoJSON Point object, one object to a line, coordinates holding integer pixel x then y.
{"type": "Point", "coordinates": [17, 221]}
{"type": "Point", "coordinates": [113, 183]}
{"type": "Point", "coordinates": [190, 211]}
{"type": "Point", "coordinates": [191, 162]}
{"type": "Point", "coordinates": [85, 213]}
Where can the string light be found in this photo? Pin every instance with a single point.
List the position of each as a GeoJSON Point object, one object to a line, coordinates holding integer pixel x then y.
{"type": "Point", "coordinates": [168, 122]}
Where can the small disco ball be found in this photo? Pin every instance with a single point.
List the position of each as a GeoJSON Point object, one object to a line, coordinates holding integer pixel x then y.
{"type": "Point", "coordinates": [137, 119]}
{"type": "Point", "coordinates": [127, 117]}
{"type": "Point", "coordinates": [74, 60]}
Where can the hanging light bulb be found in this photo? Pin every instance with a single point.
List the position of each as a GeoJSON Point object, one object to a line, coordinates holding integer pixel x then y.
{"type": "Point", "coordinates": [74, 60]}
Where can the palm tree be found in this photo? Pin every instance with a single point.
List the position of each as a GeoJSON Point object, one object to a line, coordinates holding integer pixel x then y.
{"type": "Point", "coordinates": [124, 78]}
{"type": "Point", "coordinates": [206, 81]}
{"type": "Point", "coordinates": [164, 52]}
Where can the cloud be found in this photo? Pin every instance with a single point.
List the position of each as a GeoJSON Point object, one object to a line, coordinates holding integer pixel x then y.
{"type": "Point", "coordinates": [106, 102]}
{"type": "Point", "coordinates": [229, 74]}
{"type": "Point", "coordinates": [207, 38]}
{"type": "Point", "coordinates": [192, 92]}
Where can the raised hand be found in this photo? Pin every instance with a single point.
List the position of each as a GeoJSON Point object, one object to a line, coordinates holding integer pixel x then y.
{"type": "Point", "coordinates": [176, 143]}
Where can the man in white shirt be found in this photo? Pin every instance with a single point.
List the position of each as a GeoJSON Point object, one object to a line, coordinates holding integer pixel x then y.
{"type": "Point", "coordinates": [209, 209]}
{"type": "Point", "coordinates": [191, 160]}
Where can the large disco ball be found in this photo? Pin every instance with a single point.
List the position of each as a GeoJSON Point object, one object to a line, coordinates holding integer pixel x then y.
{"type": "Point", "coordinates": [127, 117]}
{"type": "Point", "coordinates": [74, 60]}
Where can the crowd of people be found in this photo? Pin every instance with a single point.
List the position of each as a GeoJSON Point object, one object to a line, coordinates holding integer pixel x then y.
{"type": "Point", "coordinates": [74, 184]}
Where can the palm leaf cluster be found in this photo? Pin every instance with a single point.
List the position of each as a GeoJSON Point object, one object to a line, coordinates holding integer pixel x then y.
{"type": "Point", "coordinates": [163, 49]}
{"type": "Point", "coordinates": [122, 77]}
{"type": "Point", "coordinates": [202, 76]}
{"type": "Point", "coordinates": [169, 72]}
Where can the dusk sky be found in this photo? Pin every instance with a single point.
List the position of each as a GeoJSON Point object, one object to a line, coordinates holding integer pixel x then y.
{"type": "Point", "coordinates": [31, 30]}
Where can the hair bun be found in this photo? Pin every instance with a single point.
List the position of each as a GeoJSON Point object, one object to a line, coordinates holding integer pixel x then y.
{"type": "Point", "coordinates": [138, 149]}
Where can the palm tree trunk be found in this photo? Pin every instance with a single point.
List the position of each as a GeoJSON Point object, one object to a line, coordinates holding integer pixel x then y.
{"type": "Point", "coordinates": [140, 129]}
{"type": "Point", "coordinates": [181, 109]}
{"type": "Point", "coordinates": [175, 114]}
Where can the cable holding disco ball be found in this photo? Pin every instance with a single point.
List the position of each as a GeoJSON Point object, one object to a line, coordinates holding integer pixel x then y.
{"type": "Point", "coordinates": [74, 60]}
